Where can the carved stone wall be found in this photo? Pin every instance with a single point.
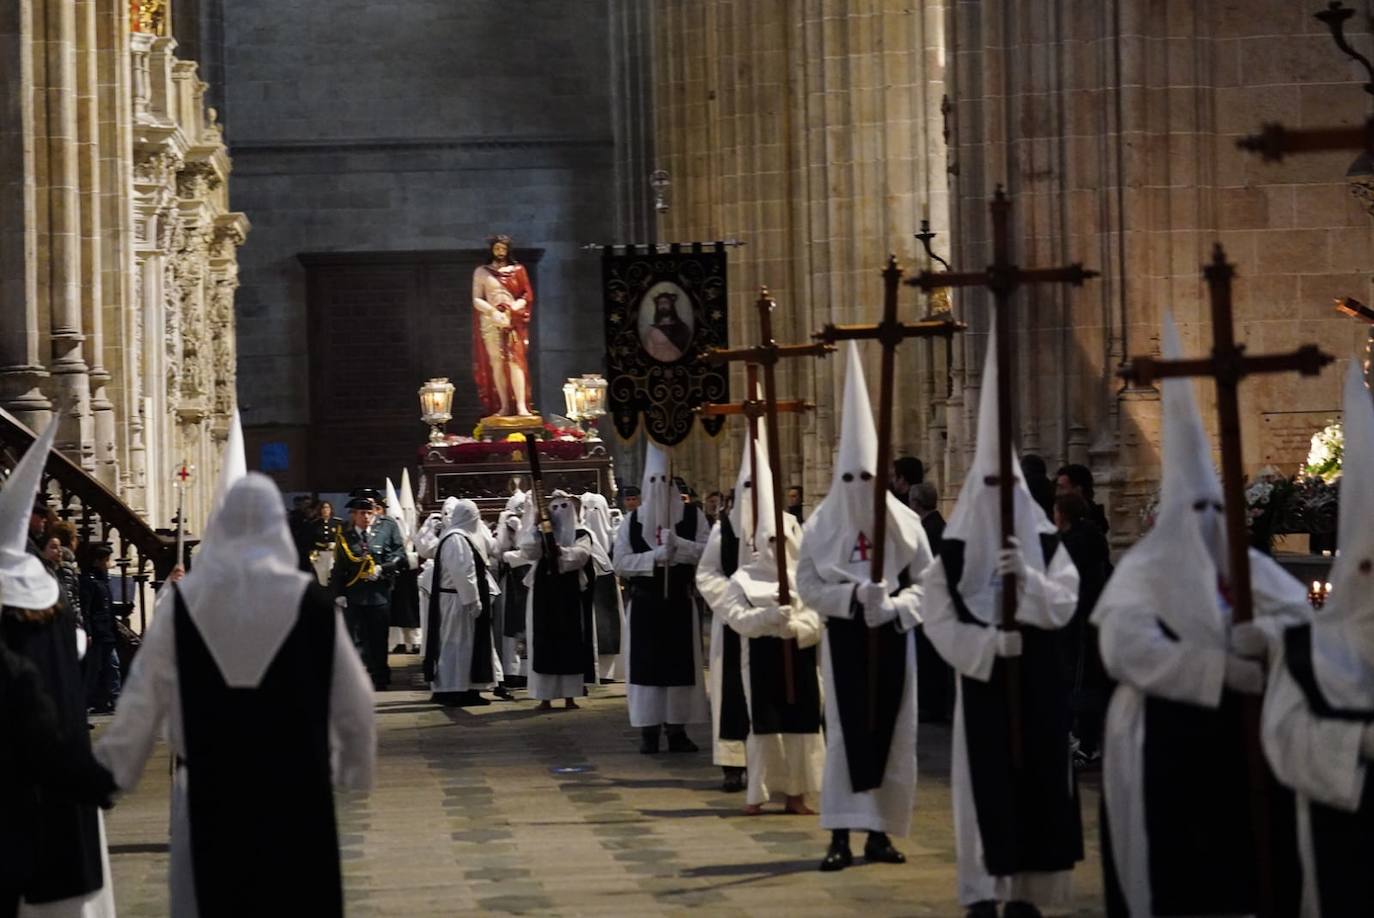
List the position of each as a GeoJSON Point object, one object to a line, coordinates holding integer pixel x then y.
{"type": "Point", "coordinates": [117, 247]}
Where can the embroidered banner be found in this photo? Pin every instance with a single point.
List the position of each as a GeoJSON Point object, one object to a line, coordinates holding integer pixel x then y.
{"type": "Point", "coordinates": [664, 310]}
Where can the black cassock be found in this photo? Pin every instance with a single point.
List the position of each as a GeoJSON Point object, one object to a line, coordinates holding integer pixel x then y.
{"type": "Point", "coordinates": [405, 600]}
{"type": "Point", "coordinates": [561, 619]}
{"type": "Point", "coordinates": [734, 707]}
{"type": "Point", "coordinates": [662, 638]}
{"type": "Point", "coordinates": [259, 790]}
{"type": "Point", "coordinates": [1028, 817]}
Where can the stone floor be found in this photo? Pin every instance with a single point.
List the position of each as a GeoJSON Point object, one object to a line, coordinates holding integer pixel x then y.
{"type": "Point", "coordinates": [507, 810]}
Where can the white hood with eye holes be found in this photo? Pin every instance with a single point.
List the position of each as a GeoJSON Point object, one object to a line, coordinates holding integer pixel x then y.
{"type": "Point", "coordinates": [838, 536]}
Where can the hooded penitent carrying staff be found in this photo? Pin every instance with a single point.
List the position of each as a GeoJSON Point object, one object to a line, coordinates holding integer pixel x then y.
{"type": "Point", "coordinates": [1003, 278]}
{"type": "Point", "coordinates": [542, 521]}
{"type": "Point", "coordinates": [766, 356]}
{"type": "Point", "coordinates": [889, 333]}
{"type": "Point", "coordinates": [1228, 365]}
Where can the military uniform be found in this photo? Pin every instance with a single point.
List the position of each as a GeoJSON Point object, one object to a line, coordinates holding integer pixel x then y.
{"type": "Point", "coordinates": [367, 612]}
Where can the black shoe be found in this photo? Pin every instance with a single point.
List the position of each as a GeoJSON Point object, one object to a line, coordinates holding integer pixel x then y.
{"type": "Point", "coordinates": [985, 909]}
{"type": "Point", "coordinates": [1020, 910]}
{"type": "Point", "coordinates": [414, 648]}
{"type": "Point", "coordinates": [648, 741]}
{"type": "Point", "coordinates": [503, 693]}
{"type": "Point", "coordinates": [399, 648]}
{"type": "Point", "coordinates": [475, 700]}
{"type": "Point", "coordinates": [680, 742]}
{"type": "Point", "coordinates": [838, 857]}
{"type": "Point", "coordinates": [447, 699]}
{"type": "Point", "coordinates": [734, 780]}
{"type": "Point", "coordinates": [878, 849]}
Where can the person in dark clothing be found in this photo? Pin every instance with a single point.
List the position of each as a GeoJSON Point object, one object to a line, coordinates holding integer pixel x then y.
{"type": "Point", "coordinates": [1038, 480]}
{"type": "Point", "coordinates": [794, 502]}
{"type": "Point", "coordinates": [934, 677]}
{"type": "Point", "coordinates": [38, 760]}
{"type": "Point", "coordinates": [102, 662]}
{"type": "Point", "coordinates": [68, 573]}
{"type": "Point", "coordinates": [1087, 547]}
{"type": "Point", "coordinates": [907, 472]}
{"type": "Point", "coordinates": [1078, 479]}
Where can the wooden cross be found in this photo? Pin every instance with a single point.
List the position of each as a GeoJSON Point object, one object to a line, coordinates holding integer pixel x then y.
{"type": "Point", "coordinates": [1003, 278]}
{"type": "Point", "coordinates": [765, 356]}
{"type": "Point", "coordinates": [889, 332]}
{"type": "Point", "coordinates": [1227, 366]}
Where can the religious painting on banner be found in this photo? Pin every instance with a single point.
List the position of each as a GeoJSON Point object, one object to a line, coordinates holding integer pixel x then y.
{"type": "Point", "coordinates": [665, 307]}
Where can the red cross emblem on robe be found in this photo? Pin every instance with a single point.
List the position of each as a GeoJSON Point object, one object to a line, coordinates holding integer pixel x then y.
{"type": "Point", "coordinates": [860, 550]}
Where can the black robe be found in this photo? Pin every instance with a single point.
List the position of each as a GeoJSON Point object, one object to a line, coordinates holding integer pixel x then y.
{"type": "Point", "coordinates": [1342, 842]}
{"type": "Point", "coordinates": [252, 755]}
{"type": "Point", "coordinates": [769, 710]}
{"type": "Point", "coordinates": [405, 599]}
{"type": "Point", "coordinates": [65, 854]}
{"type": "Point", "coordinates": [734, 707]}
{"type": "Point", "coordinates": [1028, 816]}
{"type": "Point", "coordinates": [663, 629]}
{"type": "Point", "coordinates": [561, 610]}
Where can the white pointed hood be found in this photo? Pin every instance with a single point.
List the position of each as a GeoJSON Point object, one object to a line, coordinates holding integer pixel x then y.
{"type": "Point", "coordinates": [24, 580]}
{"type": "Point", "coordinates": [244, 590]}
{"type": "Point", "coordinates": [660, 502]}
{"type": "Point", "coordinates": [393, 509]}
{"type": "Point", "coordinates": [233, 465]}
{"type": "Point", "coordinates": [465, 517]}
{"type": "Point", "coordinates": [410, 515]}
{"type": "Point", "coordinates": [742, 511]}
{"type": "Point", "coordinates": [1343, 632]}
{"type": "Point", "coordinates": [757, 574]}
{"type": "Point", "coordinates": [838, 534]}
{"type": "Point", "coordinates": [1176, 564]}
{"type": "Point", "coordinates": [509, 522]}
{"type": "Point", "coordinates": [596, 519]}
{"type": "Point", "coordinates": [977, 518]}
{"type": "Point", "coordinates": [565, 512]}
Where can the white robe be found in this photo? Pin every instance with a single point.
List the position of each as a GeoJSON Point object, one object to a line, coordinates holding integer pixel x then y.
{"type": "Point", "coordinates": [886, 808]}
{"type": "Point", "coordinates": [652, 705]}
{"type": "Point", "coordinates": [712, 584]}
{"type": "Point", "coordinates": [551, 686]}
{"type": "Point", "coordinates": [152, 697]}
{"type": "Point", "coordinates": [787, 763]}
{"type": "Point", "coordinates": [458, 613]}
{"type": "Point", "coordinates": [1047, 602]}
{"type": "Point", "coordinates": [1137, 654]}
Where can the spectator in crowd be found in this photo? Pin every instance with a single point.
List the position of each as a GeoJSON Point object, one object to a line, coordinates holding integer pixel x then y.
{"type": "Point", "coordinates": [629, 499]}
{"type": "Point", "coordinates": [794, 502]}
{"type": "Point", "coordinates": [906, 472]}
{"type": "Point", "coordinates": [934, 677]}
{"type": "Point", "coordinates": [41, 521]}
{"type": "Point", "coordinates": [1078, 479]}
{"type": "Point", "coordinates": [1087, 678]}
{"type": "Point", "coordinates": [1038, 480]}
{"type": "Point", "coordinates": [101, 663]}
{"type": "Point", "coordinates": [925, 500]}
{"type": "Point", "coordinates": [712, 506]}
{"type": "Point", "coordinates": [61, 558]}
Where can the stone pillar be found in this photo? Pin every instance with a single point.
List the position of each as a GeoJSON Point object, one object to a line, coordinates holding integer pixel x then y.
{"type": "Point", "coordinates": [21, 368]}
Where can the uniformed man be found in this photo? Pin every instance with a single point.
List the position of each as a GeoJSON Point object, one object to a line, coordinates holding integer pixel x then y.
{"type": "Point", "coordinates": [368, 555]}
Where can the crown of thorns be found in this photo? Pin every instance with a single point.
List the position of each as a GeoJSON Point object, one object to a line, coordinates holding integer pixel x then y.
{"type": "Point", "coordinates": [499, 237]}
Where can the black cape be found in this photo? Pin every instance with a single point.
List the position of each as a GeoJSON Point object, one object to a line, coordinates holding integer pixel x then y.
{"type": "Point", "coordinates": [561, 611]}
{"type": "Point", "coordinates": [479, 670]}
{"type": "Point", "coordinates": [734, 707]}
{"type": "Point", "coordinates": [254, 754]}
{"type": "Point", "coordinates": [662, 628]}
{"type": "Point", "coordinates": [1028, 817]}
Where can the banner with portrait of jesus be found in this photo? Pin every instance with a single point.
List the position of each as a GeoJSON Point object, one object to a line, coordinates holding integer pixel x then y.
{"type": "Point", "coordinates": [665, 306]}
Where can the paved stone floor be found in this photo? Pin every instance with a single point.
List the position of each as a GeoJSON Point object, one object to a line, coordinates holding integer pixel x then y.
{"type": "Point", "coordinates": [507, 810]}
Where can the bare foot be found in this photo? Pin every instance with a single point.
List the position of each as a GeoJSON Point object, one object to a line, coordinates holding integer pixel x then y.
{"type": "Point", "coordinates": [569, 704]}
{"type": "Point", "coordinates": [797, 806]}
{"type": "Point", "coordinates": [545, 705]}
{"type": "Point", "coordinates": [753, 809]}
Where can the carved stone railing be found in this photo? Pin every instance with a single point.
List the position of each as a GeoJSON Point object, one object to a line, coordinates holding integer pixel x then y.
{"type": "Point", "coordinates": [143, 555]}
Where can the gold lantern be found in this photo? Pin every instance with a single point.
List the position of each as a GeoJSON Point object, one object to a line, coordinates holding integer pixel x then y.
{"type": "Point", "coordinates": [436, 400]}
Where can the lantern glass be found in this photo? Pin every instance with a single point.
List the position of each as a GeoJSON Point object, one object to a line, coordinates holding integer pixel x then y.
{"type": "Point", "coordinates": [570, 399]}
{"type": "Point", "coordinates": [593, 388]}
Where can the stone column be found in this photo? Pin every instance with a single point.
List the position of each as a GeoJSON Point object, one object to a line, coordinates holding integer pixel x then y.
{"type": "Point", "coordinates": [21, 369]}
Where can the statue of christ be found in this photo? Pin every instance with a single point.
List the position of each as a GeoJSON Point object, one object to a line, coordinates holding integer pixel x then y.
{"type": "Point", "coordinates": [501, 301]}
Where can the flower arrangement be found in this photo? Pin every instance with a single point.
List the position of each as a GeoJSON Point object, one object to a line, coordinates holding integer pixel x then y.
{"type": "Point", "coordinates": [1324, 456]}
{"type": "Point", "coordinates": [464, 449]}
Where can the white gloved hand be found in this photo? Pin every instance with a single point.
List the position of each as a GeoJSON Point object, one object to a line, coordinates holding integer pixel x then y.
{"type": "Point", "coordinates": [870, 594]}
{"type": "Point", "coordinates": [777, 617]}
{"type": "Point", "coordinates": [1244, 676]}
{"type": "Point", "coordinates": [1008, 643]}
{"type": "Point", "coordinates": [1367, 741]}
{"type": "Point", "coordinates": [341, 602]}
{"type": "Point", "coordinates": [1010, 560]}
{"type": "Point", "coordinates": [512, 522]}
{"type": "Point", "coordinates": [373, 574]}
{"type": "Point", "coordinates": [1249, 640]}
{"type": "Point", "coordinates": [661, 554]}
{"type": "Point", "coordinates": [514, 558]}
{"type": "Point", "coordinates": [879, 614]}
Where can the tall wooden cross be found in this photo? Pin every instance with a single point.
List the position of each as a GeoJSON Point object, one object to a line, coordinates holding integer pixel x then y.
{"type": "Point", "coordinates": [889, 332]}
{"type": "Point", "coordinates": [1227, 366]}
{"type": "Point", "coordinates": [1003, 278]}
{"type": "Point", "coordinates": [766, 355]}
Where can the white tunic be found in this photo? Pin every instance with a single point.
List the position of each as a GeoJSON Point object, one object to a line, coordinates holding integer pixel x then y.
{"type": "Point", "coordinates": [458, 614]}
{"type": "Point", "coordinates": [787, 763]}
{"type": "Point", "coordinates": [1047, 601]}
{"type": "Point", "coordinates": [550, 686]}
{"type": "Point", "coordinates": [152, 697]}
{"type": "Point", "coordinates": [886, 808]}
{"type": "Point", "coordinates": [1144, 662]}
{"type": "Point", "coordinates": [712, 584]}
{"type": "Point", "coordinates": [652, 705]}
